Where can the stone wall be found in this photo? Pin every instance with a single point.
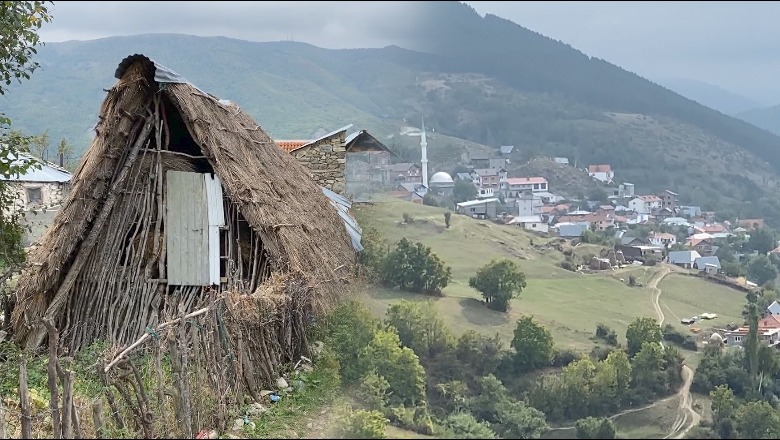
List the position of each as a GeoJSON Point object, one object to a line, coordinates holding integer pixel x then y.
{"type": "Point", "coordinates": [51, 193]}
{"type": "Point", "coordinates": [326, 160]}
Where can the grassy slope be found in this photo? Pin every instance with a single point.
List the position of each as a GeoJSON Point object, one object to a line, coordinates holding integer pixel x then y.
{"type": "Point", "coordinates": [569, 304]}
{"type": "Point", "coordinates": [687, 296]}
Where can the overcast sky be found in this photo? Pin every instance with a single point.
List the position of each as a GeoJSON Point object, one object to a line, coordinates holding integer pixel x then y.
{"type": "Point", "coordinates": [734, 45]}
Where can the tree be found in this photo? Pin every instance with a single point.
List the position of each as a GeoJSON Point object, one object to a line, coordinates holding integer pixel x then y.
{"type": "Point", "coordinates": [64, 150]}
{"type": "Point", "coordinates": [40, 145]}
{"type": "Point", "coordinates": [761, 270]}
{"type": "Point", "coordinates": [594, 428]}
{"type": "Point", "coordinates": [762, 240]}
{"type": "Point", "coordinates": [419, 327]}
{"type": "Point", "coordinates": [480, 353]}
{"type": "Point", "coordinates": [463, 191]}
{"type": "Point", "coordinates": [751, 344]}
{"type": "Point", "coordinates": [464, 425]}
{"type": "Point", "coordinates": [499, 281]}
{"type": "Point", "coordinates": [415, 268]}
{"type": "Point", "coordinates": [597, 194]}
{"type": "Point", "coordinates": [647, 370]}
{"type": "Point", "coordinates": [447, 217]}
{"type": "Point", "coordinates": [618, 360]}
{"type": "Point", "coordinates": [642, 330]}
{"type": "Point", "coordinates": [19, 25]}
{"type": "Point", "coordinates": [350, 328]}
{"type": "Point", "coordinates": [398, 365]}
{"type": "Point", "coordinates": [757, 420]}
{"type": "Point", "coordinates": [533, 345]}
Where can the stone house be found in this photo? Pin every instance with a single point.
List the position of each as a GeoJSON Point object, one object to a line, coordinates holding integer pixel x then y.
{"type": "Point", "coordinates": [327, 158]}
{"type": "Point", "coordinates": [45, 186]}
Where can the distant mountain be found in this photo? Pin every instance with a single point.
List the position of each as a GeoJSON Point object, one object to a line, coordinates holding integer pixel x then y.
{"type": "Point", "coordinates": [767, 118]}
{"type": "Point", "coordinates": [476, 80]}
{"type": "Point", "coordinates": [710, 95]}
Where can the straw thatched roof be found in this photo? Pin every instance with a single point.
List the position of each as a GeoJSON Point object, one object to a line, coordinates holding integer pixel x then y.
{"type": "Point", "coordinates": [301, 231]}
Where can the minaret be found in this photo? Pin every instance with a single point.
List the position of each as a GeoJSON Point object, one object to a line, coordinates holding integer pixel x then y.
{"type": "Point", "coordinates": [424, 159]}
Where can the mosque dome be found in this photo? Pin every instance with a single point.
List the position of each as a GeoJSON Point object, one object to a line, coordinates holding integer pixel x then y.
{"type": "Point", "coordinates": [441, 178]}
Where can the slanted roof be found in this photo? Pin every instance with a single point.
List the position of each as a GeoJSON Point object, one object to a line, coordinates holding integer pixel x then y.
{"type": "Point", "coordinates": [774, 308]}
{"type": "Point", "coordinates": [599, 169]}
{"type": "Point", "coordinates": [701, 262]}
{"type": "Point", "coordinates": [302, 233]}
{"type": "Point", "coordinates": [562, 160]}
{"type": "Point", "coordinates": [526, 219]}
{"type": "Point", "coordinates": [464, 176]}
{"type": "Point", "coordinates": [477, 202]}
{"type": "Point", "coordinates": [42, 172]}
{"type": "Point", "coordinates": [507, 149]}
{"type": "Point", "coordinates": [525, 180]}
{"type": "Point", "coordinates": [366, 141]}
{"type": "Point", "coordinates": [683, 257]}
{"type": "Point", "coordinates": [402, 167]}
{"type": "Point", "coordinates": [291, 145]}
{"type": "Point", "coordinates": [571, 229]}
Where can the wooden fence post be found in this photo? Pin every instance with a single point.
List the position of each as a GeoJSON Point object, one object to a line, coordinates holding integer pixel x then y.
{"type": "Point", "coordinates": [24, 398]}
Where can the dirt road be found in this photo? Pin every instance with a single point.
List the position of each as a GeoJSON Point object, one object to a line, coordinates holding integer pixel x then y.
{"type": "Point", "coordinates": [687, 418]}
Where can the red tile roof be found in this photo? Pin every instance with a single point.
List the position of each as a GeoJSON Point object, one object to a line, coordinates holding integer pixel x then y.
{"type": "Point", "coordinates": [525, 180]}
{"type": "Point", "coordinates": [650, 198]}
{"type": "Point", "coordinates": [291, 145]}
{"type": "Point", "coordinates": [770, 321]}
{"type": "Point", "coordinates": [599, 169]}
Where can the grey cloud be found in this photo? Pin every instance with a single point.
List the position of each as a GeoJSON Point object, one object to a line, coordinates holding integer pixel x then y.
{"type": "Point", "coordinates": [730, 44]}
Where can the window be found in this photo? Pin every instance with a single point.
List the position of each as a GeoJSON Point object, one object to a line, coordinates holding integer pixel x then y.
{"type": "Point", "coordinates": [34, 196]}
{"type": "Point", "coordinates": [737, 338]}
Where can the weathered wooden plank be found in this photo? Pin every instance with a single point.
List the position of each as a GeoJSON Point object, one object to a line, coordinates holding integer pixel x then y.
{"type": "Point", "coordinates": [186, 221]}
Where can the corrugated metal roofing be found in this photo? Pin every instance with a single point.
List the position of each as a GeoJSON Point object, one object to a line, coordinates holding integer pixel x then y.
{"type": "Point", "coordinates": [345, 128]}
{"type": "Point", "coordinates": [46, 173]}
{"type": "Point", "coordinates": [342, 206]}
{"type": "Point", "coordinates": [476, 202]}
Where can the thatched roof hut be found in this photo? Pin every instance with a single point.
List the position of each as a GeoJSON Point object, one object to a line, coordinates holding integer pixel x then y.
{"type": "Point", "coordinates": [179, 196]}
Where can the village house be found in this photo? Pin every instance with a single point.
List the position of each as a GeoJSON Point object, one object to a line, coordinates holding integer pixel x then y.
{"type": "Point", "coordinates": [331, 156]}
{"type": "Point", "coordinates": [768, 330]}
{"type": "Point", "coordinates": [485, 209]}
{"type": "Point", "coordinates": [513, 186]}
{"type": "Point", "coordinates": [701, 243]}
{"type": "Point", "coordinates": [478, 159]}
{"type": "Point", "coordinates": [684, 259]}
{"type": "Point", "coordinates": [663, 239]}
{"type": "Point", "coordinates": [663, 213]}
{"type": "Point", "coordinates": [44, 185]}
{"type": "Point", "coordinates": [506, 150]}
{"type": "Point", "coordinates": [528, 204]}
{"type": "Point", "coordinates": [708, 264]}
{"type": "Point", "coordinates": [490, 177]}
{"type": "Point", "coordinates": [668, 200]}
{"type": "Point", "coordinates": [561, 160]}
{"type": "Point", "coordinates": [690, 211]}
{"type": "Point", "coordinates": [404, 172]}
{"type": "Point", "coordinates": [603, 173]}
{"type": "Point", "coordinates": [530, 223]}
{"type": "Point", "coordinates": [644, 204]}
{"type": "Point", "coordinates": [571, 230]}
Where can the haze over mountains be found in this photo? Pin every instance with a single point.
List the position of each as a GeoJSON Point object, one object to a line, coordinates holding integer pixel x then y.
{"type": "Point", "coordinates": [485, 80]}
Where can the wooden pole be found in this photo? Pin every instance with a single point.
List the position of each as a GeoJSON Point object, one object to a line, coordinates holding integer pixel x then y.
{"type": "Point", "coordinates": [3, 430]}
{"type": "Point", "coordinates": [67, 404]}
{"type": "Point", "coordinates": [34, 340]}
{"type": "Point", "coordinates": [24, 399]}
{"type": "Point", "coordinates": [97, 416]}
{"type": "Point", "coordinates": [51, 368]}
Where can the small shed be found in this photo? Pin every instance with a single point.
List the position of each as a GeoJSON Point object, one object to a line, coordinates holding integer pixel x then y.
{"type": "Point", "coordinates": [485, 208]}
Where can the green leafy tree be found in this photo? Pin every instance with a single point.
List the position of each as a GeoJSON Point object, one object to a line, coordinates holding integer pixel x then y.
{"type": "Point", "coordinates": [463, 191]}
{"type": "Point", "coordinates": [480, 353]}
{"type": "Point", "coordinates": [762, 240]}
{"type": "Point", "coordinates": [373, 391]}
{"type": "Point", "coordinates": [419, 327]}
{"type": "Point", "coordinates": [647, 365]}
{"type": "Point", "coordinates": [723, 403]}
{"type": "Point", "coordinates": [751, 344]}
{"type": "Point", "coordinates": [464, 425]}
{"type": "Point", "coordinates": [415, 268]}
{"type": "Point", "coordinates": [533, 344]}
{"type": "Point", "coordinates": [499, 281]}
{"type": "Point", "coordinates": [595, 428]}
{"type": "Point", "coordinates": [398, 365]}
{"type": "Point", "coordinates": [350, 328]}
{"type": "Point", "coordinates": [20, 22]}
{"type": "Point", "coordinates": [757, 420]}
{"type": "Point", "coordinates": [618, 360]}
{"type": "Point", "coordinates": [642, 330]}
{"type": "Point", "coordinates": [761, 270]}
{"type": "Point", "coordinates": [509, 419]}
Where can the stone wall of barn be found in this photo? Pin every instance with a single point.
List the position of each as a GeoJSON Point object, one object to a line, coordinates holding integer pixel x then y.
{"type": "Point", "coordinates": [326, 159]}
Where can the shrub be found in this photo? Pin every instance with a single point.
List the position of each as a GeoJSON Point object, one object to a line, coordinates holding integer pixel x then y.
{"type": "Point", "coordinates": [568, 265]}
{"type": "Point", "coordinates": [447, 216]}
{"type": "Point", "coordinates": [464, 425]}
{"type": "Point", "coordinates": [408, 218]}
{"type": "Point", "coordinates": [685, 341]}
{"type": "Point", "coordinates": [364, 425]}
{"type": "Point", "coordinates": [631, 280]}
{"type": "Point", "coordinates": [563, 357]}
{"type": "Point", "coordinates": [415, 268]}
{"type": "Point", "coordinates": [651, 260]}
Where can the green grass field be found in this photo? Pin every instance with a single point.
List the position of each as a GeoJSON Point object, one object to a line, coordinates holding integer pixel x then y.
{"type": "Point", "coordinates": [569, 304]}
{"type": "Point", "coordinates": [685, 296]}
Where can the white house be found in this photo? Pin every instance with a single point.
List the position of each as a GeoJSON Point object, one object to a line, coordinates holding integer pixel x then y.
{"type": "Point", "coordinates": [528, 204]}
{"type": "Point", "coordinates": [663, 239]}
{"type": "Point", "coordinates": [530, 223]}
{"type": "Point", "coordinates": [644, 204]}
{"type": "Point", "coordinates": [603, 173]}
{"type": "Point", "coordinates": [515, 185]}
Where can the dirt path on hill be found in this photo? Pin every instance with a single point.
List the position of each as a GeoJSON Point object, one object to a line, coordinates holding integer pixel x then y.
{"type": "Point", "coordinates": [687, 418]}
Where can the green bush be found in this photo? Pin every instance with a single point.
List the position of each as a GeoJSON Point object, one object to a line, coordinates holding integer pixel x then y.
{"type": "Point", "coordinates": [415, 268]}
{"type": "Point", "coordinates": [363, 424]}
{"type": "Point", "coordinates": [464, 425]}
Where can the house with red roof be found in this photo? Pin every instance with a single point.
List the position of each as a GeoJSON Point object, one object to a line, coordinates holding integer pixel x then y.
{"type": "Point", "coordinates": [603, 173]}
